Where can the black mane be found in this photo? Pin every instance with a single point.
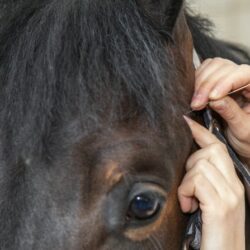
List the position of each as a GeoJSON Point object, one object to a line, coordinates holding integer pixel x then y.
{"type": "Point", "coordinates": [64, 58]}
{"type": "Point", "coordinates": [60, 59]}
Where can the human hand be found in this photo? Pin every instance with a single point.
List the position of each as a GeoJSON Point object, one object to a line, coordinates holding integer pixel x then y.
{"type": "Point", "coordinates": [211, 183]}
{"type": "Point", "coordinates": [215, 78]}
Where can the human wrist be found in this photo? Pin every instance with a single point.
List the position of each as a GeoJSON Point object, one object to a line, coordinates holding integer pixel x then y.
{"type": "Point", "coordinates": [223, 238]}
{"type": "Point", "coordinates": [225, 229]}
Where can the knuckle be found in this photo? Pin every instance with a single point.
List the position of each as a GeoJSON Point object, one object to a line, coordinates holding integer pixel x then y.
{"type": "Point", "coordinates": [223, 61]}
{"type": "Point", "coordinates": [217, 148]}
{"type": "Point", "coordinates": [207, 60]}
{"type": "Point", "coordinates": [231, 116]}
{"type": "Point", "coordinates": [192, 160]}
{"type": "Point", "coordinates": [206, 85]}
{"type": "Point", "coordinates": [219, 60]}
{"type": "Point", "coordinates": [229, 62]}
{"type": "Point", "coordinates": [231, 112]}
{"type": "Point", "coordinates": [189, 162]}
{"type": "Point", "coordinates": [199, 166]}
{"type": "Point", "coordinates": [201, 83]}
{"type": "Point", "coordinates": [242, 70]}
{"type": "Point", "coordinates": [189, 165]}
{"type": "Point", "coordinates": [198, 179]}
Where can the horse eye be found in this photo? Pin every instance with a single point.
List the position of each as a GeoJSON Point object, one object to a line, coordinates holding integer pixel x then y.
{"type": "Point", "coordinates": [144, 206]}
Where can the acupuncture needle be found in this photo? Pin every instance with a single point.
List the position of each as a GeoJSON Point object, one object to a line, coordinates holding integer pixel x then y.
{"type": "Point", "coordinates": [230, 93]}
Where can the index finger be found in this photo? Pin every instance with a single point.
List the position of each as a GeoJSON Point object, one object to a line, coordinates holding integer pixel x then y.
{"type": "Point", "coordinates": [200, 134]}
{"type": "Point", "coordinates": [237, 80]}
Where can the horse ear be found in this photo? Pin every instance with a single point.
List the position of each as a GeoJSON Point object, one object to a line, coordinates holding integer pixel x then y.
{"type": "Point", "coordinates": [162, 13]}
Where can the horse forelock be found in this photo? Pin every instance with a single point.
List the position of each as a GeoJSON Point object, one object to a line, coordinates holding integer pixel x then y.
{"type": "Point", "coordinates": [90, 58]}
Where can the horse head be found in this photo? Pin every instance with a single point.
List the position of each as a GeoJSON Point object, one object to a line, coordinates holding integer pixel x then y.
{"type": "Point", "coordinates": [93, 141]}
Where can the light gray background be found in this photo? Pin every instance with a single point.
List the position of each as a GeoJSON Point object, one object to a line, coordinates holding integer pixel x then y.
{"type": "Point", "coordinates": [231, 17]}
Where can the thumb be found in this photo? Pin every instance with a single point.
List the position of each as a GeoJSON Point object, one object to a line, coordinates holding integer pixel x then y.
{"type": "Point", "coordinates": [232, 113]}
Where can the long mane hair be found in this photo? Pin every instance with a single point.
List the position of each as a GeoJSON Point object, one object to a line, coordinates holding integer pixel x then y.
{"type": "Point", "coordinates": [63, 58]}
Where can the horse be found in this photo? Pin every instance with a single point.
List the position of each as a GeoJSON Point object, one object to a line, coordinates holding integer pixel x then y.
{"type": "Point", "coordinates": [93, 142]}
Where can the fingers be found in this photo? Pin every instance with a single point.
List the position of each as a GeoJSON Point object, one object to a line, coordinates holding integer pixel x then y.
{"type": "Point", "coordinates": [217, 155]}
{"type": "Point", "coordinates": [211, 184]}
{"type": "Point", "coordinates": [203, 92]}
{"type": "Point", "coordinates": [212, 70]}
{"type": "Point", "coordinates": [207, 184]}
{"type": "Point", "coordinates": [238, 123]}
{"type": "Point", "coordinates": [207, 75]}
{"type": "Point", "coordinates": [215, 78]}
{"type": "Point", "coordinates": [239, 77]}
{"type": "Point", "coordinates": [237, 119]}
{"type": "Point", "coordinates": [195, 185]}
{"type": "Point", "coordinates": [201, 135]}
{"type": "Point", "coordinates": [212, 150]}
{"type": "Point", "coordinates": [201, 69]}
{"type": "Point", "coordinates": [211, 178]}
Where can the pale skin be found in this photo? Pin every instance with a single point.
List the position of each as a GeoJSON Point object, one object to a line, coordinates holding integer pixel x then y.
{"type": "Point", "coordinates": [211, 182]}
{"type": "Point", "coordinates": [215, 78]}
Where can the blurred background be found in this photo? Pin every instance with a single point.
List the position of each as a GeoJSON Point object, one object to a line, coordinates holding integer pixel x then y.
{"type": "Point", "coordinates": [231, 18]}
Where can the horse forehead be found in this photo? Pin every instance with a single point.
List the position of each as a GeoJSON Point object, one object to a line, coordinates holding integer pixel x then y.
{"type": "Point", "coordinates": [111, 156]}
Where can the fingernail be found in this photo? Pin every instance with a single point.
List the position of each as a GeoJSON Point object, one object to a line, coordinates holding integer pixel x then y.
{"type": "Point", "coordinates": [188, 120]}
{"type": "Point", "coordinates": [214, 94]}
{"type": "Point", "coordinates": [197, 100]}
